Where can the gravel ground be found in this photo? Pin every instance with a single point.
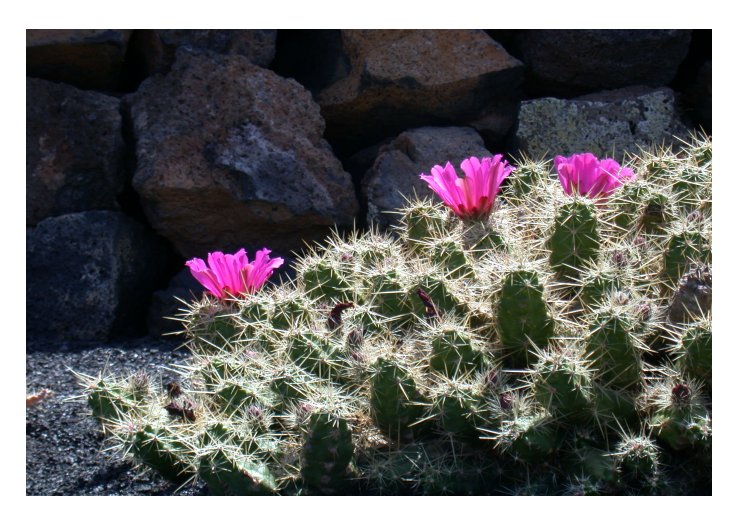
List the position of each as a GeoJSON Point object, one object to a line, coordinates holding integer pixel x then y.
{"type": "Point", "coordinates": [64, 446]}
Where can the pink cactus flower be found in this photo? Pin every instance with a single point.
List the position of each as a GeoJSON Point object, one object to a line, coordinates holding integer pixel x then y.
{"type": "Point", "coordinates": [586, 175]}
{"type": "Point", "coordinates": [473, 196]}
{"type": "Point", "coordinates": [231, 274]}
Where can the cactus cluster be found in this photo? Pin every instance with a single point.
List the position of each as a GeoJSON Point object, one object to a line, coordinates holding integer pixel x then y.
{"type": "Point", "coordinates": [561, 345]}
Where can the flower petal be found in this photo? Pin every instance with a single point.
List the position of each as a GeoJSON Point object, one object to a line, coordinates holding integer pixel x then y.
{"type": "Point", "coordinates": [471, 196]}
{"type": "Point", "coordinates": [261, 269]}
{"type": "Point", "coordinates": [205, 276]}
{"type": "Point", "coordinates": [564, 169]}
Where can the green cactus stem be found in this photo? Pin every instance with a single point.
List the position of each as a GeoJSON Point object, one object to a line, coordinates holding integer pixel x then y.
{"type": "Point", "coordinates": [326, 453]}
{"type": "Point", "coordinates": [575, 240]}
{"type": "Point", "coordinates": [523, 317]}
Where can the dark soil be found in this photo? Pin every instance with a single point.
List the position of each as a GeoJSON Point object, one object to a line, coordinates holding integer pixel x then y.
{"type": "Point", "coordinates": [65, 449]}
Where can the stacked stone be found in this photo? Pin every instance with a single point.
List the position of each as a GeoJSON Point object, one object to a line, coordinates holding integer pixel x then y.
{"type": "Point", "coordinates": [184, 142]}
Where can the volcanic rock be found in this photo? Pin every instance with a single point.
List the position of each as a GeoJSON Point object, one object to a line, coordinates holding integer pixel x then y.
{"type": "Point", "coordinates": [230, 154]}
{"type": "Point", "coordinates": [74, 148]}
{"type": "Point", "coordinates": [568, 62]}
{"type": "Point", "coordinates": [606, 124]}
{"type": "Point", "coordinates": [401, 79]}
{"type": "Point", "coordinates": [89, 275]}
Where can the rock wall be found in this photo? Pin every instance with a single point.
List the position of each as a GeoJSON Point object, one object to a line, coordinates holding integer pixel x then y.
{"type": "Point", "coordinates": [147, 147]}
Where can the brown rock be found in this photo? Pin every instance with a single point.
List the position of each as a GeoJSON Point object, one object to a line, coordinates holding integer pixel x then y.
{"type": "Point", "coordinates": [405, 78]}
{"type": "Point", "coordinates": [74, 149]}
{"type": "Point", "coordinates": [396, 171]}
{"type": "Point", "coordinates": [86, 58]}
{"type": "Point", "coordinates": [230, 154]}
{"type": "Point", "coordinates": [152, 51]}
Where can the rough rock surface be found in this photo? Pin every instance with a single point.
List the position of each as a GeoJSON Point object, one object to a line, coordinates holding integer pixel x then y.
{"type": "Point", "coordinates": [230, 154]}
{"type": "Point", "coordinates": [86, 58]}
{"type": "Point", "coordinates": [89, 275]}
{"type": "Point", "coordinates": [566, 62]}
{"type": "Point", "coordinates": [258, 45]}
{"type": "Point", "coordinates": [401, 79]}
{"type": "Point", "coordinates": [399, 164]}
{"type": "Point", "coordinates": [74, 148]}
{"type": "Point", "coordinates": [605, 124]}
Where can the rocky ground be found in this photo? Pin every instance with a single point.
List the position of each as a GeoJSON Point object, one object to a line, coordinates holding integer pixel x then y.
{"type": "Point", "coordinates": [65, 451]}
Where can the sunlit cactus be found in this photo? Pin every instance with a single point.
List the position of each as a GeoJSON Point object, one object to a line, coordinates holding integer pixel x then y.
{"type": "Point", "coordinates": [538, 330]}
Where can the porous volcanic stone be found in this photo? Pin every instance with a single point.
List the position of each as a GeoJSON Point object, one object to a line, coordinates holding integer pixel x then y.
{"type": "Point", "coordinates": [401, 79]}
{"type": "Point", "coordinates": [606, 124]}
{"type": "Point", "coordinates": [396, 171]}
{"type": "Point", "coordinates": [74, 149]}
{"type": "Point", "coordinates": [86, 58]}
{"type": "Point", "coordinates": [230, 154]}
{"type": "Point", "coordinates": [89, 275]}
{"type": "Point", "coordinates": [566, 62]}
{"type": "Point", "coordinates": [258, 45]}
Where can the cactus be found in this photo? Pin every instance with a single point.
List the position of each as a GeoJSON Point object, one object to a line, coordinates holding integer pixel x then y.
{"type": "Point", "coordinates": [638, 460]}
{"type": "Point", "coordinates": [575, 240]}
{"type": "Point", "coordinates": [326, 452]}
{"type": "Point", "coordinates": [693, 352]}
{"type": "Point", "coordinates": [395, 401]}
{"type": "Point", "coordinates": [555, 340]}
{"type": "Point", "coordinates": [455, 350]}
{"type": "Point", "coordinates": [228, 471]}
{"type": "Point", "coordinates": [160, 449]}
{"type": "Point", "coordinates": [677, 414]}
{"type": "Point", "coordinates": [693, 296]}
{"type": "Point", "coordinates": [613, 348]}
{"type": "Point", "coordinates": [562, 383]}
{"type": "Point", "coordinates": [523, 317]}
{"type": "Point", "coordinates": [683, 248]}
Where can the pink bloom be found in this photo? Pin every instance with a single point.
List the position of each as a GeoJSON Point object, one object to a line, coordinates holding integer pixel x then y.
{"type": "Point", "coordinates": [232, 274]}
{"type": "Point", "coordinates": [584, 174]}
{"type": "Point", "coordinates": [473, 196]}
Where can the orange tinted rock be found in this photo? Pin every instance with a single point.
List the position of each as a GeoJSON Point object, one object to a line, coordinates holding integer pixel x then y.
{"type": "Point", "coordinates": [229, 154]}
{"type": "Point", "coordinates": [405, 78]}
{"type": "Point", "coordinates": [86, 58]}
